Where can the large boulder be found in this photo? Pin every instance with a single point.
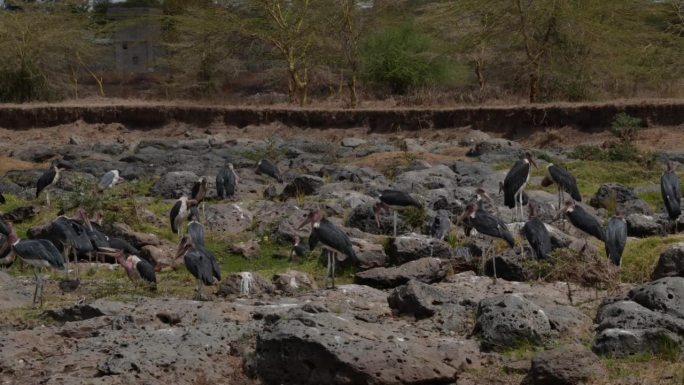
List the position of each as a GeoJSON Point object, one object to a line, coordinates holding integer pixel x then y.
{"type": "Point", "coordinates": [302, 185]}
{"type": "Point", "coordinates": [567, 365]}
{"type": "Point", "coordinates": [363, 218]}
{"type": "Point", "coordinates": [417, 298]}
{"type": "Point", "coordinates": [510, 265]}
{"type": "Point", "coordinates": [426, 270]}
{"type": "Point", "coordinates": [231, 218]}
{"type": "Point", "coordinates": [408, 248]}
{"type": "Point", "coordinates": [174, 184]}
{"type": "Point", "coordinates": [611, 194]}
{"type": "Point", "coordinates": [497, 150]}
{"type": "Point", "coordinates": [369, 254]}
{"type": "Point", "coordinates": [630, 315]}
{"type": "Point", "coordinates": [665, 295]}
{"type": "Point", "coordinates": [627, 342]}
{"type": "Point", "coordinates": [508, 320]}
{"type": "Point", "coordinates": [326, 348]}
{"type": "Point", "coordinates": [436, 177]}
{"type": "Point", "coordinates": [641, 225]}
{"type": "Point", "coordinates": [670, 263]}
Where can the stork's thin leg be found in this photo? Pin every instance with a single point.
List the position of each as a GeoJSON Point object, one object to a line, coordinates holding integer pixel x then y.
{"type": "Point", "coordinates": [333, 259]}
{"type": "Point", "coordinates": [395, 223]}
{"type": "Point", "coordinates": [522, 215]}
{"type": "Point", "coordinates": [35, 292]}
{"type": "Point", "coordinates": [494, 266]}
{"type": "Point", "coordinates": [40, 292]}
{"type": "Point", "coordinates": [204, 213]}
{"type": "Point", "coordinates": [47, 197]}
{"type": "Point", "coordinates": [66, 257]}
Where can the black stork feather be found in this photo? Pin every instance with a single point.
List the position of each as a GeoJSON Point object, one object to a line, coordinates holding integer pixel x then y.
{"type": "Point", "coordinates": [123, 245]}
{"type": "Point", "coordinates": [196, 231]}
{"type": "Point", "coordinates": [2, 199]}
{"type": "Point", "coordinates": [564, 180]}
{"type": "Point", "coordinates": [616, 239]}
{"type": "Point", "coordinates": [584, 221]}
{"type": "Point", "coordinates": [45, 180]}
{"type": "Point", "coordinates": [671, 192]}
{"type": "Point", "coordinates": [226, 182]}
{"type": "Point", "coordinates": [486, 223]}
{"type": "Point", "coordinates": [145, 269]}
{"type": "Point", "coordinates": [538, 237]}
{"type": "Point", "coordinates": [397, 198]}
{"type": "Point", "coordinates": [267, 168]}
{"type": "Point", "coordinates": [516, 178]}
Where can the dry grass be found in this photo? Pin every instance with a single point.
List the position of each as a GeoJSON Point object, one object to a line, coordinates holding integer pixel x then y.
{"type": "Point", "coordinates": [7, 164]}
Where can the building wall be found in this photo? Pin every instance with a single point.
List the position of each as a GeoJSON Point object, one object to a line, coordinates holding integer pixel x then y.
{"type": "Point", "coordinates": [137, 40]}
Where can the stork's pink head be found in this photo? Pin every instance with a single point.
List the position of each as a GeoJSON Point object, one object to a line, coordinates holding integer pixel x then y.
{"type": "Point", "coordinates": [314, 216]}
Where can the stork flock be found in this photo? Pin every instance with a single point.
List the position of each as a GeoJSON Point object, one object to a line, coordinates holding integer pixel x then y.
{"type": "Point", "coordinates": [69, 238]}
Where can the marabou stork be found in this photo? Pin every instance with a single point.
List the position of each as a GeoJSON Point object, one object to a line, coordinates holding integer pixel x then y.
{"type": "Point", "coordinates": [37, 253]}
{"type": "Point", "coordinates": [50, 178]}
{"type": "Point", "coordinates": [226, 182]}
{"type": "Point", "coordinates": [196, 231]}
{"type": "Point", "coordinates": [616, 237]}
{"type": "Point", "coordinates": [537, 235]}
{"type": "Point", "coordinates": [515, 181]}
{"type": "Point", "coordinates": [137, 269]}
{"type": "Point", "coordinates": [109, 180]}
{"type": "Point", "coordinates": [488, 224]}
{"type": "Point", "coordinates": [267, 168]}
{"type": "Point", "coordinates": [299, 249]}
{"type": "Point", "coordinates": [581, 219]}
{"type": "Point", "coordinates": [672, 193]}
{"type": "Point", "coordinates": [123, 245]}
{"type": "Point", "coordinates": [564, 180]}
{"type": "Point", "coordinates": [394, 200]}
{"type": "Point", "coordinates": [97, 237]}
{"type": "Point", "coordinates": [440, 225]}
{"type": "Point", "coordinates": [332, 238]}
{"type": "Point", "coordinates": [200, 263]}
{"type": "Point", "coordinates": [199, 192]}
{"type": "Point", "coordinates": [179, 212]}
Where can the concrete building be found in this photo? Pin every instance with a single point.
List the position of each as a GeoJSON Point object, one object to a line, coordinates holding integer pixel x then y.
{"type": "Point", "coordinates": [137, 39]}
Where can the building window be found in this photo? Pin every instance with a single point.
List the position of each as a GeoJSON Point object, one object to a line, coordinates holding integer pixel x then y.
{"type": "Point", "coordinates": [124, 45]}
{"type": "Point", "coordinates": [135, 60]}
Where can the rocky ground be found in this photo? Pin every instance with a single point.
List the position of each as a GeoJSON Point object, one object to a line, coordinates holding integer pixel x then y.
{"type": "Point", "coordinates": [414, 311]}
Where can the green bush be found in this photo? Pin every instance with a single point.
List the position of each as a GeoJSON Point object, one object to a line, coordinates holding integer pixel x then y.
{"type": "Point", "coordinates": [20, 85]}
{"type": "Point", "coordinates": [401, 58]}
{"type": "Point", "coordinates": [625, 127]}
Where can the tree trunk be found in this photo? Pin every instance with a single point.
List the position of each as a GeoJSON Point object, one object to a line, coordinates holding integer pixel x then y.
{"type": "Point", "coordinates": [353, 99]}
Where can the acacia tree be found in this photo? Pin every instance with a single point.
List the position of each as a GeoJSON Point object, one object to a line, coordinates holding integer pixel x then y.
{"type": "Point", "coordinates": [287, 27]}
{"type": "Point", "coordinates": [350, 26]}
{"type": "Point", "coordinates": [42, 50]}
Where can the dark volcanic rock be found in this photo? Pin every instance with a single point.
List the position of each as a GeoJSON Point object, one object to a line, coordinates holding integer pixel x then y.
{"type": "Point", "coordinates": [175, 184]}
{"type": "Point", "coordinates": [567, 365]}
{"type": "Point", "coordinates": [362, 218]}
{"type": "Point", "coordinates": [75, 313]}
{"type": "Point", "coordinates": [417, 298]}
{"type": "Point", "coordinates": [497, 149]}
{"type": "Point", "coordinates": [508, 320]}
{"type": "Point", "coordinates": [630, 315]}
{"type": "Point", "coordinates": [610, 194]}
{"type": "Point", "coordinates": [303, 185]}
{"type": "Point", "coordinates": [623, 342]}
{"type": "Point", "coordinates": [665, 295]}
{"type": "Point", "coordinates": [509, 265]}
{"type": "Point", "coordinates": [670, 263]}
{"type": "Point", "coordinates": [411, 247]}
{"type": "Point", "coordinates": [327, 348]}
{"type": "Point", "coordinates": [640, 225]}
{"type": "Point", "coordinates": [426, 270]}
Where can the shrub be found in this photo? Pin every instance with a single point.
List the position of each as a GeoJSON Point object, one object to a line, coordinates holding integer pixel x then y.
{"type": "Point", "coordinates": [401, 58]}
{"type": "Point", "coordinates": [625, 127]}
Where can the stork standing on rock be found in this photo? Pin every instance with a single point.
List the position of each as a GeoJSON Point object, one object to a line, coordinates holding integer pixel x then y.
{"type": "Point", "coordinates": [564, 180]}
{"type": "Point", "coordinates": [537, 235]}
{"type": "Point", "coordinates": [178, 213]}
{"type": "Point", "coordinates": [226, 181]}
{"type": "Point", "coordinates": [332, 238]}
{"type": "Point", "coordinates": [616, 237]}
{"type": "Point", "coordinates": [49, 179]}
{"type": "Point", "coordinates": [267, 168]}
{"type": "Point", "coordinates": [488, 224]}
{"type": "Point", "coordinates": [395, 200]}
{"type": "Point", "coordinates": [196, 230]}
{"type": "Point", "coordinates": [200, 263]}
{"type": "Point", "coordinates": [514, 183]}
{"type": "Point", "coordinates": [672, 193]}
{"type": "Point", "coordinates": [37, 253]}
{"type": "Point", "coordinates": [199, 192]}
{"type": "Point", "coordinates": [581, 219]}
{"type": "Point", "coordinates": [109, 179]}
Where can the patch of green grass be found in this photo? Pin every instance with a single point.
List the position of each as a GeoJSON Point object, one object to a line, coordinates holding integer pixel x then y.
{"type": "Point", "coordinates": [654, 199]}
{"type": "Point", "coordinates": [641, 255]}
{"type": "Point", "coordinates": [523, 349]}
{"type": "Point", "coordinates": [414, 216]}
{"type": "Point", "coordinates": [592, 174]}
{"type": "Point", "coordinates": [503, 166]}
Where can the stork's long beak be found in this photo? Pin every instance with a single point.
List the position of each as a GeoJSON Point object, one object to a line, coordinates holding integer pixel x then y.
{"type": "Point", "coordinates": [489, 199]}
{"type": "Point", "coordinates": [306, 221]}
{"type": "Point", "coordinates": [533, 162]}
